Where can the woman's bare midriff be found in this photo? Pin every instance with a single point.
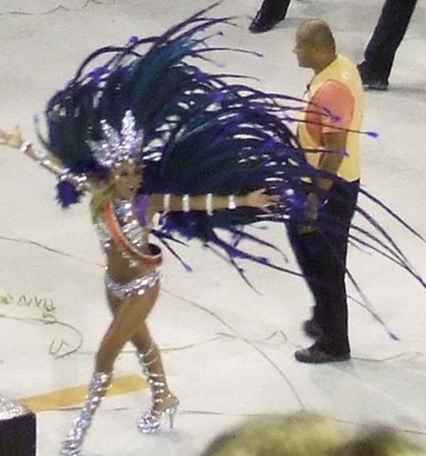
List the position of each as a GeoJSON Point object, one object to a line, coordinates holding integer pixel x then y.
{"type": "Point", "coordinates": [119, 268]}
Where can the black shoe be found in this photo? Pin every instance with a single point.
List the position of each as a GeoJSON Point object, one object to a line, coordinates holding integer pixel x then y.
{"type": "Point", "coordinates": [312, 329]}
{"type": "Point", "coordinates": [317, 355]}
{"type": "Point", "coordinates": [375, 84]}
{"type": "Point", "coordinates": [370, 81]}
{"type": "Point", "coordinates": [268, 16]}
{"type": "Point", "coordinates": [262, 23]}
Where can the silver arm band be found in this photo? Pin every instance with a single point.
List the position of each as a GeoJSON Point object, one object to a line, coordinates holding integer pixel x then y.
{"type": "Point", "coordinates": [166, 202]}
{"type": "Point", "coordinates": [209, 203]}
{"type": "Point", "coordinates": [185, 203]}
{"type": "Point", "coordinates": [232, 204]}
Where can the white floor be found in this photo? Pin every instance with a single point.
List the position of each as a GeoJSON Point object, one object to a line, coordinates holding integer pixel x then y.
{"type": "Point", "coordinates": [228, 351]}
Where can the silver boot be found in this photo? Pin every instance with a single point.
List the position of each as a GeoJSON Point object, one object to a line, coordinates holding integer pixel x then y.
{"type": "Point", "coordinates": [97, 389]}
{"type": "Point", "coordinates": [162, 406]}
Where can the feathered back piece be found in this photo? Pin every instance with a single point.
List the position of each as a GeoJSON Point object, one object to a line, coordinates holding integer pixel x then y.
{"type": "Point", "coordinates": [198, 134]}
{"type": "Point", "coordinates": [194, 123]}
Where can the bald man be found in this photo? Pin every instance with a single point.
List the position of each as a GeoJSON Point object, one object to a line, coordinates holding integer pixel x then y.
{"type": "Point", "coordinates": [334, 108]}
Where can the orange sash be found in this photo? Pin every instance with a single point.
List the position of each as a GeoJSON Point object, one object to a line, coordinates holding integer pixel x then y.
{"type": "Point", "coordinates": [154, 259]}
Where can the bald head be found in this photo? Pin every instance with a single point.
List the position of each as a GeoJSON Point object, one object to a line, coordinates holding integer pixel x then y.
{"type": "Point", "coordinates": [315, 46]}
{"type": "Point", "coordinates": [317, 33]}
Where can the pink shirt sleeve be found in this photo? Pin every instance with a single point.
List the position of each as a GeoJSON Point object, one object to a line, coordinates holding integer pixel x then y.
{"type": "Point", "coordinates": [338, 100]}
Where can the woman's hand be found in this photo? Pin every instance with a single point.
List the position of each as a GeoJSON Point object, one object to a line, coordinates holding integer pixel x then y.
{"type": "Point", "coordinates": [260, 199]}
{"type": "Point", "coordinates": [13, 139]}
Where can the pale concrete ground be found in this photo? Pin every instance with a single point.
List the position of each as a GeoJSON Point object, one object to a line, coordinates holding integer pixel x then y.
{"type": "Point", "coordinates": [228, 351]}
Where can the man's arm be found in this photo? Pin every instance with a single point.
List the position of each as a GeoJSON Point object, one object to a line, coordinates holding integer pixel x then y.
{"type": "Point", "coordinates": [338, 100]}
{"type": "Point", "coordinates": [335, 143]}
{"type": "Point", "coordinates": [335, 146]}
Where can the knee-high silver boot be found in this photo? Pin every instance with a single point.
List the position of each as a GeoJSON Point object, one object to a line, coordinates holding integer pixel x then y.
{"type": "Point", "coordinates": [162, 405]}
{"type": "Point", "coordinates": [97, 389]}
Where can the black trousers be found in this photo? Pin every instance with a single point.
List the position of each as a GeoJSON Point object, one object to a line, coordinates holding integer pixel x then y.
{"type": "Point", "coordinates": [322, 258]}
{"type": "Point", "coordinates": [388, 34]}
{"type": "Point", "coordinates": [276, 9]}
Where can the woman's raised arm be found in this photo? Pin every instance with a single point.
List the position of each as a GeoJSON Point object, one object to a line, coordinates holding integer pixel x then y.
{"type": "Point", "coordinates": [15, 140]}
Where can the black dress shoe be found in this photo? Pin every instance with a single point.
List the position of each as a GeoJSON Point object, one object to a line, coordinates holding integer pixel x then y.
{"type": "Point", "coordinates": [262, 23]}
{"type": "Point", "coordinates": [270, 13]}
{"type": "Point", "coordinates": [376, 84]}
{"type": "Point", "coordinates": [312, 329]}
{"type": "Point", "coordinates": [317, 355]}
{"type": "Point", "coordinates": [371, 81]}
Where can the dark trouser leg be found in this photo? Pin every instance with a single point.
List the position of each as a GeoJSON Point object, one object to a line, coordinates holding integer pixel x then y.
{"type": "Point", "coordinates": [333, 304]}
{"type": "Point", "coordinates": [387, 36]}
{"type": "Point", "coordinates": [276, 8]}
{"type": "Point", "coordinates": [322, 258]}
{"type": "Point", "coordinates": [334, 222]}
{"type": "Point", "coordinates": [306, 249]}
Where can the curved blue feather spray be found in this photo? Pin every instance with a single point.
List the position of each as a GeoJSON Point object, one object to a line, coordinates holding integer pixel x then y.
{"type": "Point", "coordinates": [202, 135]}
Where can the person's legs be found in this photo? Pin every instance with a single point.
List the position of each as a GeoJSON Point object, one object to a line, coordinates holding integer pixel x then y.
{"type": "Point", "coordinates": [127, 320]}
{"type": "Point", "coordinates": [334, 339]}
{"type": "Point", "coordinates": [306, 249]}
{"type": "Point", "coordinates": [125, 324]}
{"type": "Point", "coordinates": [334, 223]}
{"type": "Point", "coordinates": [148, 354]}
{"type": "Point", "coordinates": [270, 13]}
{"type": "Point", "coordinates": [381, 49]}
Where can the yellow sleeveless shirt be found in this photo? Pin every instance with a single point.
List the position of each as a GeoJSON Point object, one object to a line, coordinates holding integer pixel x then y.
{"type": "Point", "coordinates": [346, 73]}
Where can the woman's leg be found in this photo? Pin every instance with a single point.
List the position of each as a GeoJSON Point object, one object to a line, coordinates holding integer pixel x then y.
{"type": "Point", "coordinates": [125, 324]}
{"type": "Point", "coordinates": [163, 401]}
{"type": "Point", "coordinates": [150, 360]}
{"type": "Point", "coordinates": [97, 389]}
{"type": "Point", "coordinates": [142, 339]}
{"type": "Point", "coordinates": [128, 317]}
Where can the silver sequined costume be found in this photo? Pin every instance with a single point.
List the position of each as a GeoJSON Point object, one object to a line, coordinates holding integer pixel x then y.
{"type": "Point", "coordinates": [136, 235]}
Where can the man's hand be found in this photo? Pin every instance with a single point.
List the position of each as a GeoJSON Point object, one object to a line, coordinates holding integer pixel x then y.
{"type": "Point", "coordinates": [312, 205]}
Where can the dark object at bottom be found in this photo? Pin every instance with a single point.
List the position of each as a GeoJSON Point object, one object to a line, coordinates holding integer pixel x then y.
{"type": "Point", "coordinates": [371, 81]}
{"type": "Point", "coordinates": [317, 355]}
{"type": "Point", "coordinates": [17, 429]}
{"type": "Point", "coordinates": [270, 13]}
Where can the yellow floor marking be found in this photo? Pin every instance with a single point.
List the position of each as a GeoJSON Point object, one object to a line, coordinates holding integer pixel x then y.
{"type": "Point", "coordinates": [72, 396]}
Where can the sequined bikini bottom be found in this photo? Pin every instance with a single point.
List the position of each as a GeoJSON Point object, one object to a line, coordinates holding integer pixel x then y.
{"type": "Point", "coordinates": [136, 287]}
